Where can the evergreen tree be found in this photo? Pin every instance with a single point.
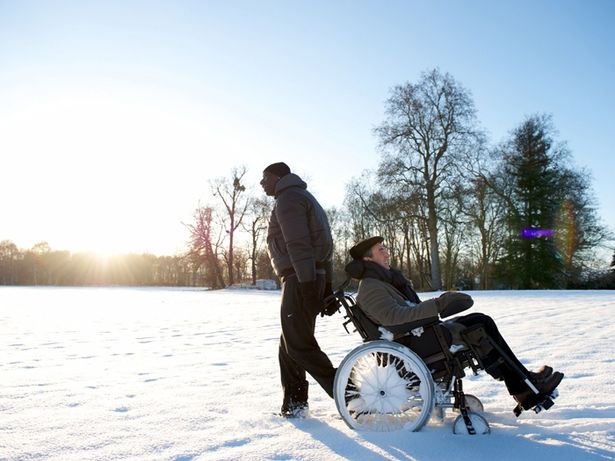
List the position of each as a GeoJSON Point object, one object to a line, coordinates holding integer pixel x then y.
{"type": "Point", "coordinates": [531, 166]}
{"type": "Point", "coordinates": [551, 220]}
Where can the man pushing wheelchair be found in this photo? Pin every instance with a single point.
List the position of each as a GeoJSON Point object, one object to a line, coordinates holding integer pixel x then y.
{"type": "Point", "coordinates": [300, 246]}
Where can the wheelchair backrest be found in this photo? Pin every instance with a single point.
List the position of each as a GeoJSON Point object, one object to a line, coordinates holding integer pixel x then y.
{"type": "Point", "coordinates": [368, 329]}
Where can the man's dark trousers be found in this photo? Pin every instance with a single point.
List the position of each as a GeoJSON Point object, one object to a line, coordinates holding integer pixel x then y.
{"type": "Point", "coordinates": [299, 352]}
{"type": "Point", "coordinates": [512, 380]}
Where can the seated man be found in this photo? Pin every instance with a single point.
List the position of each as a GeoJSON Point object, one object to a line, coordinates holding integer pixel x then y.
{"type": "Point", "coordinates": [388, 299]}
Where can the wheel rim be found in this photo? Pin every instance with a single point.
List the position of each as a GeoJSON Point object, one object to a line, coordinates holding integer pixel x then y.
{"type": "Point", "coordinates": [474, 404]}
{"type": "Point", "coordinates": [384, 387]}
{"type": "Point", "coordinates": [480, 424]}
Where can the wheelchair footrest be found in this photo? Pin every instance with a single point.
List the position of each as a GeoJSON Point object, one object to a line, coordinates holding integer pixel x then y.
{"type": "Point", "coordinates": [546, 403]}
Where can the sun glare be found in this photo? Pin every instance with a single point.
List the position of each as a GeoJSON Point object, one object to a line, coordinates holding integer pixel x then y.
{"type": "Point", "coordinates": [101, 170]}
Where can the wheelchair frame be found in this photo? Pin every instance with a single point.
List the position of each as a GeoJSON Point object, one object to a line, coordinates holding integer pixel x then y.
{"type": "Point", "coordinates": [367, 401]}
{"type": "Point", "coordinates": [388, 409]}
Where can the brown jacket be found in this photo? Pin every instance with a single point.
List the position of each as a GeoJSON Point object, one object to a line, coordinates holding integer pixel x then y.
{"type": "Point", "coordinates": [386, 306]}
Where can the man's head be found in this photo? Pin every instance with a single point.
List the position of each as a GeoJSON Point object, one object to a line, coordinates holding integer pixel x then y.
{"type": "Point", "coordinates": [271, 176]}
{"type": "Point", "coordinates": [372, 249]}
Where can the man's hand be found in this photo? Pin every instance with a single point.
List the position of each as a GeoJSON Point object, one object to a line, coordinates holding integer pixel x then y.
{"type": "Point", "coordinates": [453, 302]}
{"type": "Point", "coordinates": [330, 303]}
{"type": "Point", "coordinates": [331, 306]}
{"type": "Point", "coordinates": [312, 300]}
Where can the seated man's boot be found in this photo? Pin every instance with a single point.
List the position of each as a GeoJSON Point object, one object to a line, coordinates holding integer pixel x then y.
{"type": "Point", "coordinates": [545, 385]}
{"type": "Point", "coordinates": [544, 372]}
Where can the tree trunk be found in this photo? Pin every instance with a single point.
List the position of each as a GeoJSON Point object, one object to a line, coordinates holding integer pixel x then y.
{"type": "Point", "coordinates": [432, 225]}
{"type": "Point", "coordinates": [254, 243]}
{"type": "Point", "coordinates": [231, 269]}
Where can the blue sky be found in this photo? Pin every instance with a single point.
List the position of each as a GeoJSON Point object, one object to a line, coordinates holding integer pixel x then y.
{"type": "Point", "coordinates": [114, 114]}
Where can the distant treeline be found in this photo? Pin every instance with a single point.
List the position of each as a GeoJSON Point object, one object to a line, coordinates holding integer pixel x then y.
{"type": "Point", "coordinates": [456, 211]}
{"type": "Point", "coordinates": [43, 266]}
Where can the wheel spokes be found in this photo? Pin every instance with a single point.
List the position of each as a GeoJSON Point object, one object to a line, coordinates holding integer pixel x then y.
{"type": "Point", "coordinates": [382, 392]}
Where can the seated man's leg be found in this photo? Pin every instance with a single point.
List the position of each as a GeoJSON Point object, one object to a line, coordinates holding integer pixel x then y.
{"type": "Point", "coordinates": [505, 372]}
{"type": "Point", "coordinates": [544, 382]}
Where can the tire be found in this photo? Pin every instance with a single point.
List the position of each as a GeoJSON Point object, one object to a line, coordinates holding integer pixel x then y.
{"type": "Point", "coordinates": [473, 404]}
{"type": "Point", "coordinates": [383, 386]}
{"type": "Point", "coordinates": [480, 424]}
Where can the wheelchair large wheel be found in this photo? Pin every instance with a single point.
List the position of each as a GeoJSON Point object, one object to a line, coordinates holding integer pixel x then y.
{"type": "Point", "coordinates": [384, 386]}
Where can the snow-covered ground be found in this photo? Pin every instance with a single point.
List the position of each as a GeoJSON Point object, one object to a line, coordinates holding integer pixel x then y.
{"type": "Point", "coordinates": [154, 374]}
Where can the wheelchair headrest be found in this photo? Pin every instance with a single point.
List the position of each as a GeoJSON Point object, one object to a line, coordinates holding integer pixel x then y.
{"type": "Point", "coordinates": [355, 269]}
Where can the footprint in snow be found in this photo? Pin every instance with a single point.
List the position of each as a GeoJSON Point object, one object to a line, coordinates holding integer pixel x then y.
{"type": "Point", "coordinates": [235, 442]}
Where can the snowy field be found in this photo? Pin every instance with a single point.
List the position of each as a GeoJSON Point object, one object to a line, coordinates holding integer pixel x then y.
{"type": "Point", "coordinates": [155, 374]}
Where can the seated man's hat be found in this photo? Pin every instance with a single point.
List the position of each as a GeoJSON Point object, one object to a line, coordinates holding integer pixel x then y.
{"type": "Point", "coordinates": [359, 250]}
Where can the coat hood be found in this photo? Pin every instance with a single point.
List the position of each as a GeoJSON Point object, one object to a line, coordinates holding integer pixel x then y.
{"type": "Point", "coordinates": [290, 180]}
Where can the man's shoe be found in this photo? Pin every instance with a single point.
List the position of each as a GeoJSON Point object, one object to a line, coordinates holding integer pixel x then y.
{"type": "Point", "coordinates": [299, 410]}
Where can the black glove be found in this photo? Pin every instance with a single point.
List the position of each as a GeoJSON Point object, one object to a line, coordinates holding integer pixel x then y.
{"type": "Point", "coordinates": [451, 303]}
{"type": "Point", "coordinates": [330, 304]}
{"type": "Point", "coordinates": [312, 300]}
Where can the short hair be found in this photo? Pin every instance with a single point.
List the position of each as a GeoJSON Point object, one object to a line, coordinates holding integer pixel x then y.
{"type": "Point", "coordinates": [369, 253]}
{"type": "Point", "coordinates": [280, 169]}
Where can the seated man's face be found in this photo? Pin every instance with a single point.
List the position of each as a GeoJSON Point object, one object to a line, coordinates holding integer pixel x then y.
{"type": "Point", "coordinates": [380, 256]}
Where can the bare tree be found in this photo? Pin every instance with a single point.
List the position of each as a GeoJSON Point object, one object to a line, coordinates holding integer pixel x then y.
{"type": "Point", "coordinates": [259, 210]}
{"type": "Point", "coordinates": [486, 211]}
{"type": "Point", "coordinates": [429, 127]}
{"type": "Point", "coordinates": [235, 204]}
{"type": "Point", "coordinates": [9, 256]}
{"type": "Point", "coordinates": [204, 245]}
{"type": "Point", "coordinates": [342, 237]}
{"type": "Point", "coordinates": [453, 231]}
{"type": "Point", "coordinates": [397, 215]}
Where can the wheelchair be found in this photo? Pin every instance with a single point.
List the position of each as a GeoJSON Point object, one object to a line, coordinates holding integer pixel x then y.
{"type": "Point", "coordinates": [402, 375]}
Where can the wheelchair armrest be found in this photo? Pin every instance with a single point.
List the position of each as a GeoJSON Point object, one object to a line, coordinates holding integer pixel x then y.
{"type": "Point", "coordinates": [409, 326]}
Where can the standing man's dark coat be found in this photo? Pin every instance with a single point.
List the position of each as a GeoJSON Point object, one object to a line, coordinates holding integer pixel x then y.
{"type": "Point", "coordinates": [300, 246]}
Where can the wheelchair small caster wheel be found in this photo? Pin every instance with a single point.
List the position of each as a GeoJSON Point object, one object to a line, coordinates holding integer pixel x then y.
{"type": "Point", "coordinates": [479, 425]}
{"type": "Point", "coordinates": [473, 404]}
